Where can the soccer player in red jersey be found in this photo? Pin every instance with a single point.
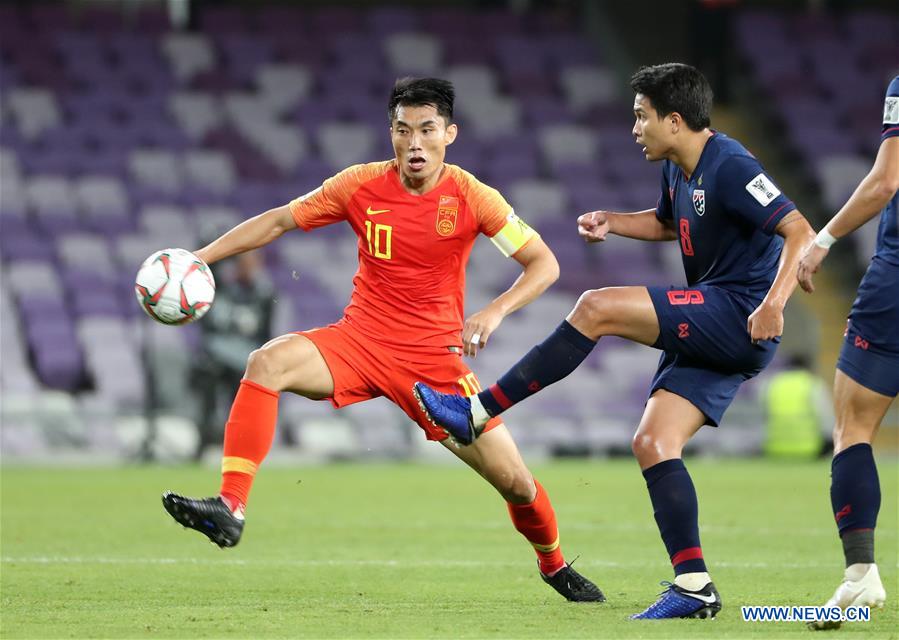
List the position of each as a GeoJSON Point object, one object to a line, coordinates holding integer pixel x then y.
{"type": "Point", "coordinates": [416, 218]}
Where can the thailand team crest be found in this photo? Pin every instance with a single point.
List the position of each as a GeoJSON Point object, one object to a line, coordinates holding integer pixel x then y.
{"type": "Point", "coordinates": [447, 210]}
{"type": "Point", "coordinates": [699, 201]}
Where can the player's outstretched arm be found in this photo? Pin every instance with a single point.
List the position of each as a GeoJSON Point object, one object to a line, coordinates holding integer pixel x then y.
{"type": "Point", "coordinates": [642, 225]}
{"type": "Point", "coordinates": [767, 321]}
{"type": "Point", "coordinates": [541, 269]}
{"type": "Point", "coordinates": [249, 234]}
{"type": "Point", "coordinates": [870, 197]}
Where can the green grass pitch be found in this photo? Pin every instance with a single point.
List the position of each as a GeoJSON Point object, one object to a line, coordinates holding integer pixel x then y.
{"type": "Point", "coordinates": [412, 551]}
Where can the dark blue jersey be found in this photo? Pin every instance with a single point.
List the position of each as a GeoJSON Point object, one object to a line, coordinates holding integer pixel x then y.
{"type": "Point", "coordinates": [725, 216]}
{"type": "Point", "coordinates": [888, 231]}
{"type": "Point", "coordinates": [874, 319]}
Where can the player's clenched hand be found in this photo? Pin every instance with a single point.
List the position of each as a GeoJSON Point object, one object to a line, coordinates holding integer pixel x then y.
{"type": "Point", "coordinates": [593, 226]}
{"type": "Point", "coordinates": [766, 322]}
{"type": "Point", "coordinates": [809, 264]}
{"type": "Point", "coordinates": [477, 330]}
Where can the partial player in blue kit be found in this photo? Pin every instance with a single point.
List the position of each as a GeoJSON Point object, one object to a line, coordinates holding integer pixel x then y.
{"type": "Point", "coordinates": [740, 239]}
{"type": "Point", "coordinates": [867, 376]}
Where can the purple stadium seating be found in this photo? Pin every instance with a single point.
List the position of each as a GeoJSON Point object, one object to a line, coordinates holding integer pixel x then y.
{"type": "Point", "coordinates": [112, 82]}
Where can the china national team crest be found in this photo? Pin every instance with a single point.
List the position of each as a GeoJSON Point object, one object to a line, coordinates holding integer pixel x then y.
{"type": "Point", "coordinates": [447, 210]}
{"type": "Point", "coordinates": [699, 201]}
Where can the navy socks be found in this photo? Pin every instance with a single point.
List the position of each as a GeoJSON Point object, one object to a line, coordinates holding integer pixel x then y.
{"type": "Point", "coordinates": [550, 361]}
{"type": "Point", "coordinates": [677, 513]}
{"type": "Point", "coordinates": [855, 498]}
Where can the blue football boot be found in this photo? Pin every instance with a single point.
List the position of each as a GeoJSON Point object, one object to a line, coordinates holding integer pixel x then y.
{"type": "Point", "coordinates": [449, 411]}
{"type": "Point", "coordinates": [676, 602]}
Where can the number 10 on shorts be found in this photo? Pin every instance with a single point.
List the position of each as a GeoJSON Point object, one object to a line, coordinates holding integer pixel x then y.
{"type": "Point", "coordinates": [469, 384]}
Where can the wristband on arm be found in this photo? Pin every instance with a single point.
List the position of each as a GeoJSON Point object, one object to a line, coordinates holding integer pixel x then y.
{"type": "Point", "coordinates": [824, 239]}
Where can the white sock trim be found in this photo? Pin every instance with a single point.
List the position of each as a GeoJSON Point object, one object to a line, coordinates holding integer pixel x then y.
{"type": "Point", "coordinates": [857, 571]}
{"type": "Point", "coordinates": [692, 581]}
{"type": "Point", "coordinates": [478, 413]}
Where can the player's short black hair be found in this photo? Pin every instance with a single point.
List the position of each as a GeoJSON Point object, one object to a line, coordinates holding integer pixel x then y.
{"type": "Point", "coordinates": [418, 92]}
{"type": "Point", "coordinates": [675, 87]}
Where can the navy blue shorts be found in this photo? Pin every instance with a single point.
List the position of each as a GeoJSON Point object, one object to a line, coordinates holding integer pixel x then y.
{"type": "Point", "coordinates": [870, 352]}
{"type": "Point", "coordinates": [869, 365]}
{"type": "Point", "coordinates": [707, 352]}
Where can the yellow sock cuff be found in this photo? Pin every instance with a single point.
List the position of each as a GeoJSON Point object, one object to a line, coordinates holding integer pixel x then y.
{"type": "Point", "coordinates": [546, 548]}
{"type": "Point", "coordinates": [234, 464]}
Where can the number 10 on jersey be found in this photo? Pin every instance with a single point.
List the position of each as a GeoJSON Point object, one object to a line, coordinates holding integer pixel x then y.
{"type": "Point", "coordinates": [379, 245]}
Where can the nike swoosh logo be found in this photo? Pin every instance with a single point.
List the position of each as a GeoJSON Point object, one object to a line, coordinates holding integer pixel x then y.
{"type": "Point", "coordinates": [374, 212]}
{"type": "Point", "coordinates": [708, 599]}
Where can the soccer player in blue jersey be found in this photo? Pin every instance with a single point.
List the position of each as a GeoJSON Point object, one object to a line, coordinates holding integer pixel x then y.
{"type": "Point", "coordinates": [741, 239]}
{"type": "Point", "coordinates": [867, 376]}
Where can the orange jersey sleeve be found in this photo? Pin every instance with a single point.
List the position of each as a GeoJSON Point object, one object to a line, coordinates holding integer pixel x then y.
{"type": "Point", "coordinates": [496, 218]}
{"type": "Point", "coordinates": [488, 205]}
{"type": "Point", "coordinates": [328, 204]}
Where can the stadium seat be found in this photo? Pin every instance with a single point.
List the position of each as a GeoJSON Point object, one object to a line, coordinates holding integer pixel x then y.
{"type": "Point", "coordinates": [35, 111]}
{"type": "Point", "coordinates": [15, 375]}
{"type": "Point", "coordinates": [220, 218]}
{"type": "Point", "coordinates": [53, 201]}
{"type": "Point", "coordinates": [472, 80]}
{"type": "Point", "coordinates": [212, 171]}
{"type": "Point", "coordinates": [566, 143]}
{"type": "Point", "coordinates": [104, 203]}
{"type": "Point", "coordinates": [112, 360]}
{"type": "Point", "coordinates": [156, 169]}
{"type": "Point", "coordinates": [197, 113]}
{"type": "Point", "coordinates": [587, 86]}
{"type": "Point", "coordinates": [413, 53]}
{"type": "Point", "coordinates": [283, 86]}
{"type": "Point", "coordinates": [188, 54]}
{"type": "Point", "coordinates": [168, 358]}
{"type": "Point", "coordinates": [33, 279]}
{"type": "Point", "coordinates": [88, 252]}
{"type": "Point", "coordinates": [12, 204]}
{"type": "Point", "coordinates": [345, 144]}
{"type": "Point", "coordinates": [536, 199]}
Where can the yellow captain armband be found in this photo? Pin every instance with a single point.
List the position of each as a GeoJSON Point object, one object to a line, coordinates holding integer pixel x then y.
{"type": "Point", "coordinates": [514, 235]}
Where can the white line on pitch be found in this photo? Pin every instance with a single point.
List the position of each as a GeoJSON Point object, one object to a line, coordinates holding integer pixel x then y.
{"type": "Point", "coordinates": [50, 560]}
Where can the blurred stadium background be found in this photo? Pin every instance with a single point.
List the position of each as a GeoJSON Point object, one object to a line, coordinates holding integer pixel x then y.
{"type": "Point", "coordinates": [132, 126]}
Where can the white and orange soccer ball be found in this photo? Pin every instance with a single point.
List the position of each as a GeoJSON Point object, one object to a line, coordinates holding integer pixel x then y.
{"type": "Point", "coordinates": [174, 286]}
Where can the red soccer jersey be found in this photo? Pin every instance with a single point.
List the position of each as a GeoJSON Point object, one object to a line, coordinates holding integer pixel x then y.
{"type": "Point", "coordinates": [409, 290]}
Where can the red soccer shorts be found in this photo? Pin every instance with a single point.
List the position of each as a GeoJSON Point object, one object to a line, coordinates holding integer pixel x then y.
{"type": "Point", "coordinates": [363, 369]}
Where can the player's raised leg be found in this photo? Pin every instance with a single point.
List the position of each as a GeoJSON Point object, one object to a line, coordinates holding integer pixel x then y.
{"type": "Point", "coordinates": [627, 312]}
{"type": "Point", "coordinates": [290, 362]}
{"type": "Point", "coordinates": [855, 492]}
{"type": "Point", "coordinates": [668, 422]}
{"type": "Point", "coordinates": [496, 458]}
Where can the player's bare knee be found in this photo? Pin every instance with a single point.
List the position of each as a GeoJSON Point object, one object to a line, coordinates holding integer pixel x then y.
{"type": "Point", "coordinates": [852, 429]}
{"type": "Point", "coordinates": [591, 311]}
{"type": "Point", "coordinates": [516, 486]}
{"type": "Point", "coordinates": [648, 448]}
{"type": "Point", "coordinates": [263, 368]}
{"type": "Point", "coordinates": [641, 444]}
